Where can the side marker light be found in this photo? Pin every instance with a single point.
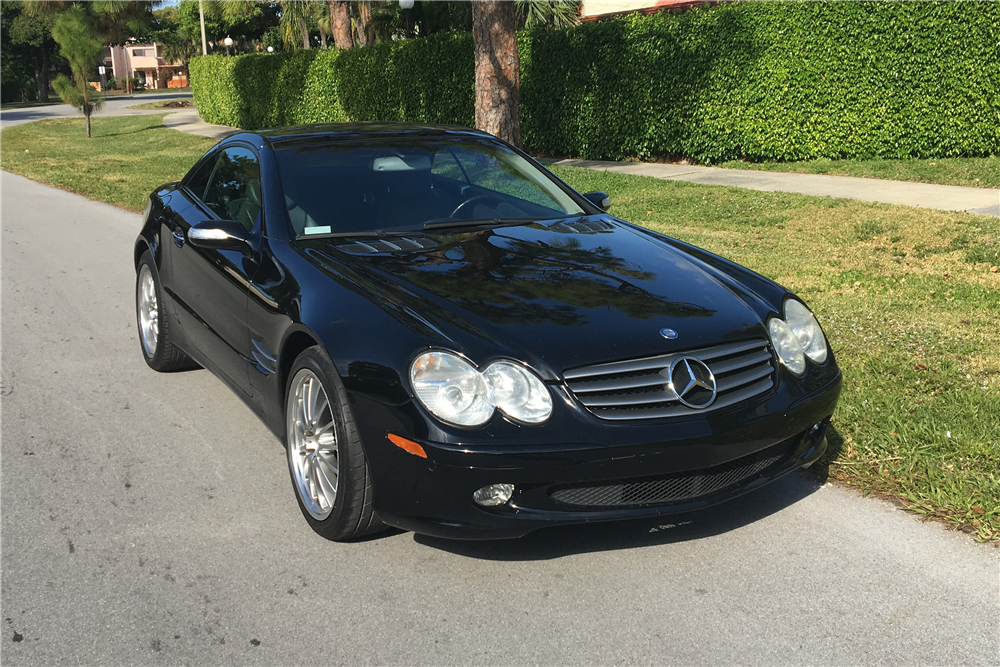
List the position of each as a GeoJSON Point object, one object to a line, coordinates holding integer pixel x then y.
{"type": "Point", "coordinates": [407, 445]}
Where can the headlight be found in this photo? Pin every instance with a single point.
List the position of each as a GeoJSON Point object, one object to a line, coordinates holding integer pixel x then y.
{"type": "Point", "coordinates": [451, 388]}
{"type": "Point", "coordinates": [455, 392]}
{"type": "Point", "coordinates": [806, 329]}
{"type": "Point", "coordinates": [518, 392]}
{"type": "Point", "coordinates": [787, 346]}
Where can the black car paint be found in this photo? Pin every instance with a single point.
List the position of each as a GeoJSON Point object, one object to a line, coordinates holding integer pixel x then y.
{"type": "Point", "coordinates": [559, 300]}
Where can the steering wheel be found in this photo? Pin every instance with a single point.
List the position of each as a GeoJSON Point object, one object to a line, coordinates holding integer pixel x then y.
{"type": "Point", "coordinates": [465, 208]}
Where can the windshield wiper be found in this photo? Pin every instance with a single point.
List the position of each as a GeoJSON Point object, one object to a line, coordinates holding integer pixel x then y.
{"type": "Point", "coordinates": [363, 233]}
{"type": "Point", "coordinates": [491, 222]}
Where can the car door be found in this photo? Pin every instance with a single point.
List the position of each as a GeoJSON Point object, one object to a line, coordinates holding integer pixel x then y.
{"type": "Point", "coordinates": [210, 285]}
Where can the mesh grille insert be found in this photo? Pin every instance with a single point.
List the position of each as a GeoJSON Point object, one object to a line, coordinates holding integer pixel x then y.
{"type": "Point", "coordinates": [674, 488]}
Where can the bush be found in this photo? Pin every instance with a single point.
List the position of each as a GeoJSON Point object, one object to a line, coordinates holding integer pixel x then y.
{"type": "Point", "coordinates": [427, 80]}
{"type": "Point", "coordinates": [770, 81]}
{"type": "Point", "coordinates": [752, 80]}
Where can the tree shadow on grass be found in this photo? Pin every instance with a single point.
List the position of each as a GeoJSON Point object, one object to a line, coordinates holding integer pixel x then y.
{"type": "Point", "coordinates": [128, 132]}
{"type": "Point", "coordinates": [31, 113]}
{"type": "Point", "coordinates": [560, 541]}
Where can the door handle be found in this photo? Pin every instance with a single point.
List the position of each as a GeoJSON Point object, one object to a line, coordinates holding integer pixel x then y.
{"type": "Point", "coordinates": [178, 238]}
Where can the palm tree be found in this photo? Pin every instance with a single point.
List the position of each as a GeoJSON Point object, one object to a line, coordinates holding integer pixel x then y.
{"type": "Point", "coordinates": [180, 49]}
{"type": "Point", "coordinates": [340, 23]}
{"type": "Point", "coordinates": [121, 20]}
{"type": "Point", "coordinates": [322, 19]}
{"type": "Point", "coordinates": [550, 13]}
{"type": "Point", "coordinates": [363, 24]}
{"type": "Point", "coordinates": [116, 21]}
{"type": "Point", "coordinates": [498, 69]}
{"type": "Point", "coordinates": [297, 17]}
{"type": "Point", "coordinates": [81, 48]}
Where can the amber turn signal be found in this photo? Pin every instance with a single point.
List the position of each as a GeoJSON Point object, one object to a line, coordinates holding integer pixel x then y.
{"type": "Point", "coordinates": [407, 445]}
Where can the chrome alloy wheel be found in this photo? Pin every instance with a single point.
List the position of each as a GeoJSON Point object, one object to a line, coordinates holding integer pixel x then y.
{"type": "Point", "coordinates": [312, 444]}
{"type": "Point", "coordinates": [149, 311]}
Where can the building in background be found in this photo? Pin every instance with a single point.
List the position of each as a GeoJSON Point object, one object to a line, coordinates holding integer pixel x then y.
{"type": "Point", "coordinates": [595, 10]}
{"type": "Point", "coordinates": [143, 62]}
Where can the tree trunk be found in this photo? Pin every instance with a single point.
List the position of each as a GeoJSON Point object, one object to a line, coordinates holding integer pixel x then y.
{"type": "Point", "coordinates": [42, 75]}
{"type": "Point", "coordinates": [39, 81]}
{"type": "Point", "coordinates": [305, 33]}
{"type": "Point", "coordinates": [340, 24]}
{"type": "Point", "coordinates": [366, 30]}
{"type": "Point", "coordinates": [498, 70]}
{"type": "Point", "coordinates": [86, 105]}
{"type": "Point", "coordinates": [322, 37]}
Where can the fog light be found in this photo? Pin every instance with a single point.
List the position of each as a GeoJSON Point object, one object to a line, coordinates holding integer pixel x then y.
{"type": "Point", "coordinates": [493, 495]}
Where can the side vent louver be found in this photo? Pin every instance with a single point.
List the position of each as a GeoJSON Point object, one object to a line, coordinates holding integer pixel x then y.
{"type": "Point", "coordinates": [389, 244]}
{"type": "Point", "coordinates": [582, 227]}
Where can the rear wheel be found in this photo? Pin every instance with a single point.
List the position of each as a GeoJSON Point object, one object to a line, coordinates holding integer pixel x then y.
{"type": "Point", "coordinates": [154, 328]}
{"type": "Point", "coordinates": [325, 458]}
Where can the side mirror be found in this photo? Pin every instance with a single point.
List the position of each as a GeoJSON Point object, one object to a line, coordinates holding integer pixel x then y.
{"type": "Point", "coordinates": [599, 199]}
{"type": "Point", "coordinates": [220, 235]}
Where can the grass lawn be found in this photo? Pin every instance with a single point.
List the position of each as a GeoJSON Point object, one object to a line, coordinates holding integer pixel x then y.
{"type": "Point", "coordinates": [906, 296]}
{"type": "Point", "coordinates": [125, 159]}
{"type": "Point", "coordinates": [975, 172]}
{"type": "Point", "coordinates": [164, 104]}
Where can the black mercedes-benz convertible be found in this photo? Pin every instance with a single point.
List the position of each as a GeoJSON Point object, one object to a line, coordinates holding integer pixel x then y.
{"type": "Point", "coordinates": [450, 340]}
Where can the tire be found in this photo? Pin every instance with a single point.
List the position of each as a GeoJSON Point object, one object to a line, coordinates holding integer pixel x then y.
{"type": "Point", "coordinates": [154, 325]}
{"type": "Point", "coordinates": [326, 460]}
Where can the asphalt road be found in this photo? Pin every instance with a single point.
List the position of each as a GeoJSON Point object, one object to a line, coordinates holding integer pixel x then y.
{"type": "Point", "coordinates": [149, 519]}
{"type": "Point", "coordinates": [114, 106]}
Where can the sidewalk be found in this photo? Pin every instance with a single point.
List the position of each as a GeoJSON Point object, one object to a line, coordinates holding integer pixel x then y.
{"type": "Point", "coordinates": [924, 195]}
{"type": "Point", "coordinates": [189, 121]}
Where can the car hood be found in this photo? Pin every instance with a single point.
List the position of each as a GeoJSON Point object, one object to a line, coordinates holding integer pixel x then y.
{"type": "Point", "coordinates": [554, 294]}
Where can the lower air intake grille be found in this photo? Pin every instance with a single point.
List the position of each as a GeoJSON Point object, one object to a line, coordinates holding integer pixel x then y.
{"type": "Point", "coordinates": [674, 488]}
{"type": "Point", "coordinates": [638, 389]}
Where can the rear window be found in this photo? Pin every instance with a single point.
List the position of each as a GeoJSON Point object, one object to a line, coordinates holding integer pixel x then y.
{"type": "Point", "coordinates": [403, 184]}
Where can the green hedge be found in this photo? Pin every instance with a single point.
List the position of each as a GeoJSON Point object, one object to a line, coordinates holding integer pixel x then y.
{"type": "Point", "coordinates": [771, 81]}
{"type": "Point", "coordinates": [429, 80]}
{"type": "Point", "coordinates": [754, 80]}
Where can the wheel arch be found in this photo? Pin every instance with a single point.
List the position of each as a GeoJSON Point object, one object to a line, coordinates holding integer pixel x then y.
{"type": "Point", "coordinates": [296, 342]}
{"type": "Point", "coordinates": [142, 245]}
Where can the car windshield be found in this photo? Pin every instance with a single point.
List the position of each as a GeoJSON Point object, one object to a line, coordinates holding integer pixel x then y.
{"type": "Point", "coordinates": [394, 184]}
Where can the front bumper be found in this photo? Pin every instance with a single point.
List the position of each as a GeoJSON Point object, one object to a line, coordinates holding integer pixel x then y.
{"type": "Point", "coordinates": [559, 484]}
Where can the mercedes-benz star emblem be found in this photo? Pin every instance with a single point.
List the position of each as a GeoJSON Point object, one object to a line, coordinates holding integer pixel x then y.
{"type": "Point", "coordinates": [693, 382]}
{"type": "Point", "coordinates": [669, 334]}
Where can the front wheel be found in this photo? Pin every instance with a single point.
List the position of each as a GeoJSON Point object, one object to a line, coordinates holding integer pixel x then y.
{"type": "Point", "coordinates": [154, 328]}
{"type": "Point", "coordinates": [325, 458]}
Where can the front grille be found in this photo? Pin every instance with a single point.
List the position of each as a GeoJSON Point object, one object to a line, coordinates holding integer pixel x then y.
{"type": "Point", "coordinates": [637, 388]}
{"type": "Point", "coordinates": [674, 488]}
